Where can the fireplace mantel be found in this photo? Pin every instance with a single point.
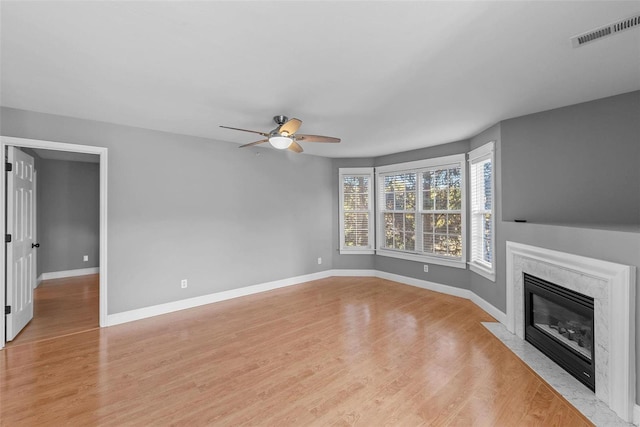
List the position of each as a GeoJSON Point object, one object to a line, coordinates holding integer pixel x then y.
{"type": "Point", "coordinates": [613, 288]}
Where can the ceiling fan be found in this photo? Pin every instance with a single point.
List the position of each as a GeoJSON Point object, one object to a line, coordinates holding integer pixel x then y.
{"type": "Point", "coordinates": [284, 136]}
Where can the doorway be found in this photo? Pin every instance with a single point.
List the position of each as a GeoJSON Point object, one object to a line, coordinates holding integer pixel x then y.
{"type": "Point", "coordinates": [69, 148]}
{"type": "Point", "coordinates": [61, 307]}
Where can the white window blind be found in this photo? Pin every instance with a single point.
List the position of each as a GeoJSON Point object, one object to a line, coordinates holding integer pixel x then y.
{"type": "Point", "coordinates": [421, 210]}
{"type": "Point", "coordinates": [356, 210]}
{"type": "Point", "coordinates": [399, 211]}
{"type": "Point", "coordinates": [482, 207]}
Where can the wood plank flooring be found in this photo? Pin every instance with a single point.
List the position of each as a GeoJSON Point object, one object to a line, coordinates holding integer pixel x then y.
{"type": "Point", "coordinates": [61, 307]}
{"type": "Point", "coordinates": [337, 351]}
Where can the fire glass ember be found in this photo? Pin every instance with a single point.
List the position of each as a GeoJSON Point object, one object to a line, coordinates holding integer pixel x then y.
{"type": "Point", "coordinates": [570, 328]}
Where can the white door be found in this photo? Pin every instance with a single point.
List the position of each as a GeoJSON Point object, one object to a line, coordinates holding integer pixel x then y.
{"type": "Point", "coordinates": [21, 219]}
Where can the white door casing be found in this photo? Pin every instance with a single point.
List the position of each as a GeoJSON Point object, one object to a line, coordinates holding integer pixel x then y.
{"type": "Point", "coordinates": [21, 268]}
{"type": "Point", "coordinates": [35, 228]}
{"type": "Point", "coordinates": [5, 143]}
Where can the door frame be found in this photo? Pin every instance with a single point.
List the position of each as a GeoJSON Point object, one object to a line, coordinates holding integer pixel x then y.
{"type": "Point", "coordinates": [6, 141]}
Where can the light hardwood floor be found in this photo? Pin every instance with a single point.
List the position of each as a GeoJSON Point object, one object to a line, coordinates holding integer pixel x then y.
{"type": "Point", "coordinates": [337, 351]}
{"type": "Point", "coordinates": [61, 307]}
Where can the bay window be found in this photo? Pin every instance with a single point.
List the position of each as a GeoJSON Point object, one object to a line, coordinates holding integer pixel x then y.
{"type": "Point", "coordinates": [421, 210]}
{"type": "Point", "coordinates": [482, 207]}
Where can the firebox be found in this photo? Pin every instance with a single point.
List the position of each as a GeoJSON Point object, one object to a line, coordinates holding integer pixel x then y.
{"type": "Point", "coordinates": [559, 322]}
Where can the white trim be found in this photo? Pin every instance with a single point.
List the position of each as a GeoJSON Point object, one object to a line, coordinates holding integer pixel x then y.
{"type": "Point", "coordinates": [35, 224]}
{"type": "Point", "coordinates": [478, 269]}
{"type": "Point", "coordinates": [68, 273]}
{"type": "Point", "coordinates": [145, 312]}
{"type": "Point", "coordinates": [422, 258]}
{"type": "Point", "coordinates": [486, 151]}
{"type": "Point", "coordinates": [422, 164]}
{"type": "Point", "coordinates": [619, 375]}
{"type": "Point", "coordinates": [365, 172]}
{"type": "Point", "coordinates": [636, 414]}
{"type": "Point", "coordinates": [345, 251]}
{"type": "Point", "coordinates": [353, 273]}
{"type": "Point", "coordinates": [446, 289]}
{"type": "Point", "coordinates": [490, 309]}
{"type": "Point", "coordinates": [170, 307]}
{"type": "Point", "coordinates": [425, 284]}
{"type": "Point", "coordinates": [61, 146]}
{"type": "Point", "coordinates": [482, 151]}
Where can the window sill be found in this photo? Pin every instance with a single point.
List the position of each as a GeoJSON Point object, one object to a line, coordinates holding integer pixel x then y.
{"type": "Point", "coordinates": [483, 271]}
{"type": "Point", "coordinates": [422, 258]}
{"type": "Point", "coordinates": [357, 251]}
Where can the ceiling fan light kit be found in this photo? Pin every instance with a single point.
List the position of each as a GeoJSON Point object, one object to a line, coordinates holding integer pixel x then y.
{"type": "Point", "coordinates": [280, 142]}
{"type": "Point", "coordinates": [284, 136]}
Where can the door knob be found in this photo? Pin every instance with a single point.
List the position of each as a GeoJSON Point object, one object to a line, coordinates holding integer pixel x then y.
{"type": "Point", "coordinates": [35, 245]}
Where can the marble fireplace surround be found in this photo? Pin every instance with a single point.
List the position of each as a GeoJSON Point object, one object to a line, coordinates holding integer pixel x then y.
{"type": "Point", "coordinates": [612, 286]}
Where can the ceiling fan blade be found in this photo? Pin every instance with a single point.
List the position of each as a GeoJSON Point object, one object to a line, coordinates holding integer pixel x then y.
{"type": "Point", "coordinates": [295, 147]}
{"type": "Point", "coordinates": [246, 130]}
{"type": "Point", "coordinates": [316, 138]}
{"type": "Point", "coordinates": [254, 143]}
{"type": "Point", "coordinates": [290, 127]}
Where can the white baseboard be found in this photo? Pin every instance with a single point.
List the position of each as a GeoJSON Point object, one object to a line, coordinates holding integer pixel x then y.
{"type": "Point", "coordinates": [156, 310]}
{"type": "Point", "coordinates": [68, 273]}
{"type": "Point", "coordinates": [490, 309]}
{"type": "Point", "coordinates": [636, 415]}
{"type": "Point", "coordinates": [449, 290]}
{"type": "Point", "coordinates": [425, 284]}
{"type": "Point", "coordinates": [353, 273]}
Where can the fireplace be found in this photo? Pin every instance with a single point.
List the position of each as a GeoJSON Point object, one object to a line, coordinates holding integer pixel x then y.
{"type": "Point", "coordinates": [612, 287]}
{"type": "Point", "coordinates": [559, 322]}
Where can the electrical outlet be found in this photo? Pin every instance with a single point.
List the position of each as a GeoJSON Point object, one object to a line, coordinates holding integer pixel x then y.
{"type": "Point", "coordinates": [426, 268]}
{"type": "Point", "coordinates": [85, 258]}
{"type": "Point", "coordinates": [319, 260]}
{"type": "Point", "coordinates": [183, 283]}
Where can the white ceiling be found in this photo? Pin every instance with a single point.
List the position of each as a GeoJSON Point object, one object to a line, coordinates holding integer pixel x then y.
{"type": "Point", "coordinates": [384, 76]}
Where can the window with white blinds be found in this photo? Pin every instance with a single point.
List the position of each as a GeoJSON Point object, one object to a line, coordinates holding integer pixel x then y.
{"type": "Point", "coordinates": [421, 214]}
{"type": "Point", "coordinates": [482, 207]}
{"type": "Point", "coordinates": [356, 211]}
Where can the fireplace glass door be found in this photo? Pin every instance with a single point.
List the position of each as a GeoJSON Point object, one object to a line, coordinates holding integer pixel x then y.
{"type": "Point", "coordinates": [564, 325]}
{"type": "Point", "coordinates": [559, 322]}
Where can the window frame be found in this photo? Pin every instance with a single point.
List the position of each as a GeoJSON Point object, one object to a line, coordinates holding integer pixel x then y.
{"type": "Point", "coordinates": [358, 250]}
{"type": "Point", "coordinates": [481, 267]}
{"type": "Point", "coordinates": [456, 160]}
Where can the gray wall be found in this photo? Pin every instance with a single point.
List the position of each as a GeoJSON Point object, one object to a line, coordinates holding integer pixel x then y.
{"type": "Point", "coordinates": [68, 215]}
{"type": "Point", "coordinates": [574, 165]}
{"type": "Point", "coordinates": [575, 134]}
{"type": "Point", "coordinates": [190, 208]}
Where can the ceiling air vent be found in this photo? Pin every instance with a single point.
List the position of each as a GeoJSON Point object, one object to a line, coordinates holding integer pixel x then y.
{"type": "Point", "coordinates": [605, 31]}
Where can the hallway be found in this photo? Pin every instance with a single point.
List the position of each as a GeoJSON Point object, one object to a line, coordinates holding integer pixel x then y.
{"type": "Point", "coordinates": [62, 307]}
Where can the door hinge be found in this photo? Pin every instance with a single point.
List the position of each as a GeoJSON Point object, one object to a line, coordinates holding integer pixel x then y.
{"type": "Point", "coordinates": [7, 238]}
{"type": "Point", "coordinates": [8, 167]}
{"type": "Point", "coordinates": [7, 309]}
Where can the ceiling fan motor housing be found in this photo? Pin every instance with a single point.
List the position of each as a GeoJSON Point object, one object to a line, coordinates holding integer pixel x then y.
{"type": "Point", "coordinates": [280, 120]}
